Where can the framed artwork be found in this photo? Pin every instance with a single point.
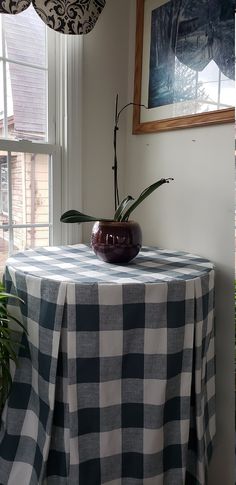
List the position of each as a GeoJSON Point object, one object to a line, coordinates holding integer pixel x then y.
{"type": "Point", "coordinates": [184, 64]}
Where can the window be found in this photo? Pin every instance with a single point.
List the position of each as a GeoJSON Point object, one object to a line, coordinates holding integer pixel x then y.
{"type": "Point", "coordinates": [28, 154]}
{"type": "Point", "coordinates": [202, 91]}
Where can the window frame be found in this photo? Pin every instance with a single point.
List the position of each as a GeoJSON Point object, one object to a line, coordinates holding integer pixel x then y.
{"type": "Point", "coordinates": [65, 130]}
{"type": "Point", "coordinates": [52, 147]}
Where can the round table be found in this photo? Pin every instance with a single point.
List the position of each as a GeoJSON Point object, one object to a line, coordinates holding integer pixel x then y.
{"type": "Point", "coordinates": [116, 377]}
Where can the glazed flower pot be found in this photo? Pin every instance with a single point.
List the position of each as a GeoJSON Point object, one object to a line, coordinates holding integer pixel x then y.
{"type": "Point", "coordinates": [116, 242]}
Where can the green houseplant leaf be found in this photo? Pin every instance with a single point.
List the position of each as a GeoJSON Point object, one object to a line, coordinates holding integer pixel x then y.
{"type": "Point", "coordinates": [7, 344]}
{"type": "Point", "coordinates": [76, 216]}
{"type": "Point", "coordinates": [120, 209]}
{"type": "Point", "coordinates": [144, 194]}
{"type": "Point", "coordinates": [123, 211]}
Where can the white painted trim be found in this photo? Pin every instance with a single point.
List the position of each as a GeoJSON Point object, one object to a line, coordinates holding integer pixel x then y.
{"type": "Point", "coordinates": [4, 80]}
{"type": "Point", "coordinates": [61, 119]}
{"type": "Point", "coordinates": [26, 146]}
{"type": "Point", "coordinates": [11, 235]}
{"type": "Point", "coordinates": [5, 227]}
{"type": "Point", "coordinates": [56, 190]}
{"type": "Point", "coordinates": [71, 133]}
{"type": "Point", "coordinates": [53, 71]}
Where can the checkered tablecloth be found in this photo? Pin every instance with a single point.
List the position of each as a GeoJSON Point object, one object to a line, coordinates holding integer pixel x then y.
{"type": "Point", "coordinates": [116, 379]}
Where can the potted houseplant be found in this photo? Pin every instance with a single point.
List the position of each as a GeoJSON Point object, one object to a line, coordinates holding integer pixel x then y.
{"type": "Point", "coordinates": [116, 240]}
{"type": "Point", "coordinates": [7, 344]}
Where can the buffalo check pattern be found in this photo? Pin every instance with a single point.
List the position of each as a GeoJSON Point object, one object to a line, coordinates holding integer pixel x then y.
{"type": "Point", "coordinates": [116, 378]}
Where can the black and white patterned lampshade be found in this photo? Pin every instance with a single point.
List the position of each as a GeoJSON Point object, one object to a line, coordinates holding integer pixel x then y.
{"type": "Point", "coordinates": [66, 16]}
{"type": "Point", "coordinates": [14, 6]}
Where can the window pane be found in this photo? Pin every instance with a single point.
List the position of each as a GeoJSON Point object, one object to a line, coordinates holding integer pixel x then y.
{"type": "Point", "coordinates": [27, 96]}
{"type": "Point", "coordinates": [193, 91]}
{"type": "Point", "coordinates": [30, 237]}
{"type": "Point", "coordinates": [217, 89]}
{"type": "Point", "coordinates": [4, 236]}
{"type": "Point", "coordinates": [210, 73]}
{"type": "Point", "coordinates": [227, 92]}
{"type": "Point", "coordinates": [29, 181]}
{"type": "Point", "coordinates": [27, 203]}
{"type": "Point", "coordinates": [24, 78]}
{"type": "Point", "coordinates": [25, 37]}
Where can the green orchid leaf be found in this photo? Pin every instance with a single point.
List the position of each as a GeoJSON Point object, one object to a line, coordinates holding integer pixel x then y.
{"type": "Point", "coordinates": [122, 212]}
{"type": "Point", "coordinates": [76, 216]}
{"type": "Point", "coordinates": [4, 339]}
{"type": "Point", "coordinates": [144, 194]}
{"type": "Point", "coordinates": [11, 352]}
{"type": "Point", "coordinates": [121, 207]}
{"type": "Point", "coordinates": [70, 213]}
{"type": "Point", "coordinates": [6, 381]}
{"type": "Point", "coordinates": [3, 310]}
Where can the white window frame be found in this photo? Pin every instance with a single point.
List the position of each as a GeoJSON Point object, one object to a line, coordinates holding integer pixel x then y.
{"type": "Point", "coordinates": [51, 148]}
{"type": "Point", "coordinates": [65, 107]}
{"type": "Point", "coordinates": [69, 133]}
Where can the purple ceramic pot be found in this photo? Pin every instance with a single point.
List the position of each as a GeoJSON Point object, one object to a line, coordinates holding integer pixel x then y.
{"type": "Point", "coordinates": [116, 242]}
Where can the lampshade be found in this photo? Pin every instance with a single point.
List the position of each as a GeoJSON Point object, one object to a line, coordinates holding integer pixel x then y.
{"type": "Point", "coordinates": [66, 16]}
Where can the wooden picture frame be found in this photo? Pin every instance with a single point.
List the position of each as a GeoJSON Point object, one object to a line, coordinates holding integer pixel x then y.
{"type": "Point", "coordinates": [160, 124]}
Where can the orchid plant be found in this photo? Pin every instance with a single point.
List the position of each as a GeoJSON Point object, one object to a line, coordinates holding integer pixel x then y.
{"type": "Point", "coordinates": [128, 204]}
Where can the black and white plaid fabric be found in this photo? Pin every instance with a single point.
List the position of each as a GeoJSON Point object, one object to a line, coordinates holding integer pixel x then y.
{"type": "Point", "coordinates": [116, 379]}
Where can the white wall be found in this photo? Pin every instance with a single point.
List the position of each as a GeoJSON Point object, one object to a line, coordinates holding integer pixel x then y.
{"type": "Point", "coordinates": [194, 213]}
{"type": "Point", "coordinates": [105, 75]}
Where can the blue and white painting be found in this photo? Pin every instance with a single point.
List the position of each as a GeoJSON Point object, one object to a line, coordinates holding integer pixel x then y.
{"type": "Point", "coordinates": [186, 37]}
